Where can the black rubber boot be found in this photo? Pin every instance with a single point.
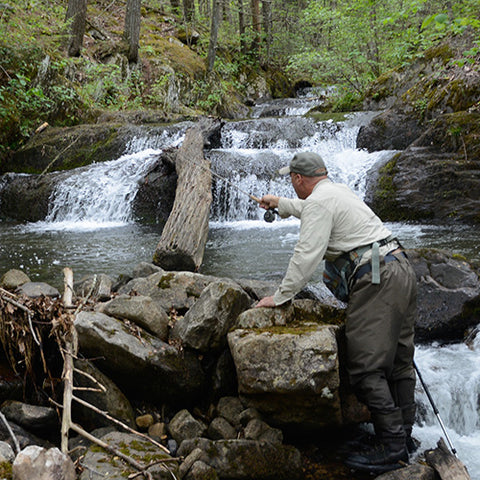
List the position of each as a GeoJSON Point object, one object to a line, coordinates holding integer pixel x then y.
{"type": "Point", "coordinates": [390, 453]}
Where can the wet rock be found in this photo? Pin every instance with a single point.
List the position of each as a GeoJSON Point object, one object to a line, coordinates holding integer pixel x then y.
{"type": "Point", "coordinates": [141, 310]}
{"type": "Point", "coordinates": [448, 296]}
{"type": "Point", "coordinates": [140, 364]}
{"type": "Point", "coordinates": [37, 290]}
{"type": "Point", "coordinates": [205, 326]}
{"type": "Point", "coordinates": [246, 459]}
{"type": "Point", "coordinates": [100, 464]}
{"type": "Point", "coordinates": [32, 417]}
{"type": "Point", "coordinates": [42, 464]}
{"type": "Point", "coordinates": [13, 279]}
{"type": "Point", "coordinates": [183, 426]}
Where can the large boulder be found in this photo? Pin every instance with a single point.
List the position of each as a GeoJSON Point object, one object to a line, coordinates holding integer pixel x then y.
{"type": "Point", "coordinates": [139, 363]}
{"type": "Point", "coordinates": [448, 296]}
{"type": "Point", "coordinates": [288, 369]}
{"type": "Point", "coordinates": [205, 326]}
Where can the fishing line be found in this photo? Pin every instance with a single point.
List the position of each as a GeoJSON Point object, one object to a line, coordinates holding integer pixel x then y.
{"type": "Point", "coordinates": [269, 215]}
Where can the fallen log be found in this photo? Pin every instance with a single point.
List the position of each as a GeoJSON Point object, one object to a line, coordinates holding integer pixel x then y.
{"type": "Point", "coordinates": [182, 244]}
{"type": "Point", "coordinates": [447, 465]}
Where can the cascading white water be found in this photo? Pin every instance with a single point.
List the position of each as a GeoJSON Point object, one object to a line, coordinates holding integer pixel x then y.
{"type": "Point", "coordinates": [101, 195]}
{"type": "Point", "coordinates": [253, 169]}
{"type": "Point", "coordinates": [452, 375]}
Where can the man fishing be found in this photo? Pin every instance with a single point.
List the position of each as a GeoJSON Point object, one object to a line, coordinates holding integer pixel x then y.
{"type": "Point", "coordinates": [365, 266]}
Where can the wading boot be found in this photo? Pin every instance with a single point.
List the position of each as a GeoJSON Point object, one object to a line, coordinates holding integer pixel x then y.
{"type": "Point", "coordinates": [390, 453]}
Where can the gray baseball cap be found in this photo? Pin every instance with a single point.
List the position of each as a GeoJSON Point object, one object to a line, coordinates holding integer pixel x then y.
{"type": "Point", "coordinates": [305, 163]}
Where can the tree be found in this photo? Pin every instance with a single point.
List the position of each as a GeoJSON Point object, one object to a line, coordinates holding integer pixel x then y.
{"type": "Point", "coordinates": [212, 46]}
{"type": "Point", "coordinates": [189, 10]}
{"type": "Point", "coordinates": [76, 17]}
{"type": "Point", "coordinates": [132, 29]}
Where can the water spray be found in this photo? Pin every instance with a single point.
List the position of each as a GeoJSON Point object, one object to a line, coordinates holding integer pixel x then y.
{"type": "Point", "coordinates": [435, 410]}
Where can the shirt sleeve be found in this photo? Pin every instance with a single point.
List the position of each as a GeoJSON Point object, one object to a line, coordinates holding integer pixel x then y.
{"type": "Point", "coordinates": [290, 206]}
{"type": "Point", "coordinates": [316, 225]}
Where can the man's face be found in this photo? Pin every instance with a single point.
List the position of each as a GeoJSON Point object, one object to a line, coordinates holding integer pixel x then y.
{"type": "Point", "coordinates": [298, 183]}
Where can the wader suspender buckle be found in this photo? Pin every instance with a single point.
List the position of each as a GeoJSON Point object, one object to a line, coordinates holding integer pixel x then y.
{"type": "Point", "coordinates": [375, 263]}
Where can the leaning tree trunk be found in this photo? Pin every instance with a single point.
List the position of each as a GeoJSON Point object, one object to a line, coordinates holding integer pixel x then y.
{"type": "Point", "coordinates": [184, 236]}
{"type": "Point", "coordinates": [77, 16]}
{"type": "Point", "coordinates": [132, 28]}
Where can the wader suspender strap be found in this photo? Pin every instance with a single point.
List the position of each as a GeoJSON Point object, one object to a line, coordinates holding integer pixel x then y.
{"type": "Point", "coordinates": [375, 263]}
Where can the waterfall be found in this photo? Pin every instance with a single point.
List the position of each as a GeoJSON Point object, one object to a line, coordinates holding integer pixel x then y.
{"type": "Point", "coordinates": [452, 375]}
{"type": "Point", "coordinates": [100, 195]}
{"type": "Point", "coordinates": [252, 152]}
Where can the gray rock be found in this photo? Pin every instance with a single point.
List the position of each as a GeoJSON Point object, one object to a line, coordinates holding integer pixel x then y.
{"type": "Point", "coordinates": [141, 310]}
{"type": "Point", "coordinates": [259, 430]}
{"type": "Point", "coordinates": [42, 464]}
{"type": "Point", "coordinates": [230, 408]}
{"type": "Point", "coordinates": [190, 459]}
{"type": "Point", "coordinates": [201, 471]}
{"type": "Point", "coordinates": [13, 279]}
{"type": "Point", "coordinates": [177, 290]}
{"type": "Point", "coordinates": [144, 269]}
{"type": "Point", "coordinates": [220, 429]}
{"type": "Point", "coordinates": [205, 326]}
{"type": "Point", "coordinates": [6, 453]}
{"type": "Point", "coordinates": [31, 417]}
{"type": "Point", "coordinates": [247, 459]}
{"type": "Point", "coordinates": [100, 464]}
{"type": "Point", "coordinates": [183, 426]}
{"type": "Point", "coordinates": [290, 374]}
{"type": "Point", "coordinates": [140, 364]}
{"type": "Point", "coordinates": [37, 290]}
{"type": "Point", "coordinates": [448, 292]}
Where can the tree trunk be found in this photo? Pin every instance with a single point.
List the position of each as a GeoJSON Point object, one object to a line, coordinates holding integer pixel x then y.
{"type": "Point", "coordinates": [212, 46]}
{"type": "Point", "coordinates": [267, 27]}
{"type": "Point", "coordinates": [189, 10]}
{"type": "Point", "coordinates": [184, 236]}
{"type": "Point", "coordinates": [132, 29]}
{"type": "Point", "coordinates": [256, 26]}
{"type": "Point", "coordinates": [241, 27]}
{"type": "Point", "coordinates": [77, 16]}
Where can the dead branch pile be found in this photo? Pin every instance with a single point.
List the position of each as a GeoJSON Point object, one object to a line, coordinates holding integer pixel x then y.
{"type": "Point", "coordinates": [31, 333]}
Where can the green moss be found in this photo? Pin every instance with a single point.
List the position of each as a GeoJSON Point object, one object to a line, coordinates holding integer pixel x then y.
{"type": "Point", "coordinates": [6, 470]}
{"type": "Point", "coordinates": [443, 52]}
{"type": "Point", "coordinates": [166, 281]}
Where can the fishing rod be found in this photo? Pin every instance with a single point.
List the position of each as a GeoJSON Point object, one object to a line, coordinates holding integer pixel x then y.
{"type": "Point", "coordinates": [435, 409]}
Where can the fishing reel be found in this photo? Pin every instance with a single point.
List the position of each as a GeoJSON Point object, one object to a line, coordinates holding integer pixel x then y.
{"type": "Point", "coordinates": [269, 215]}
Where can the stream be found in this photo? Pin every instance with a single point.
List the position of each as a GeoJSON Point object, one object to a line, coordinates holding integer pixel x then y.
{"type": "Point", "coordinates": [91, 228]}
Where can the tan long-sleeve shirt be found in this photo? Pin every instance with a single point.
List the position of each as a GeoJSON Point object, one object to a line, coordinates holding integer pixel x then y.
{"type": "Point", "coordinates": [333, 221]}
